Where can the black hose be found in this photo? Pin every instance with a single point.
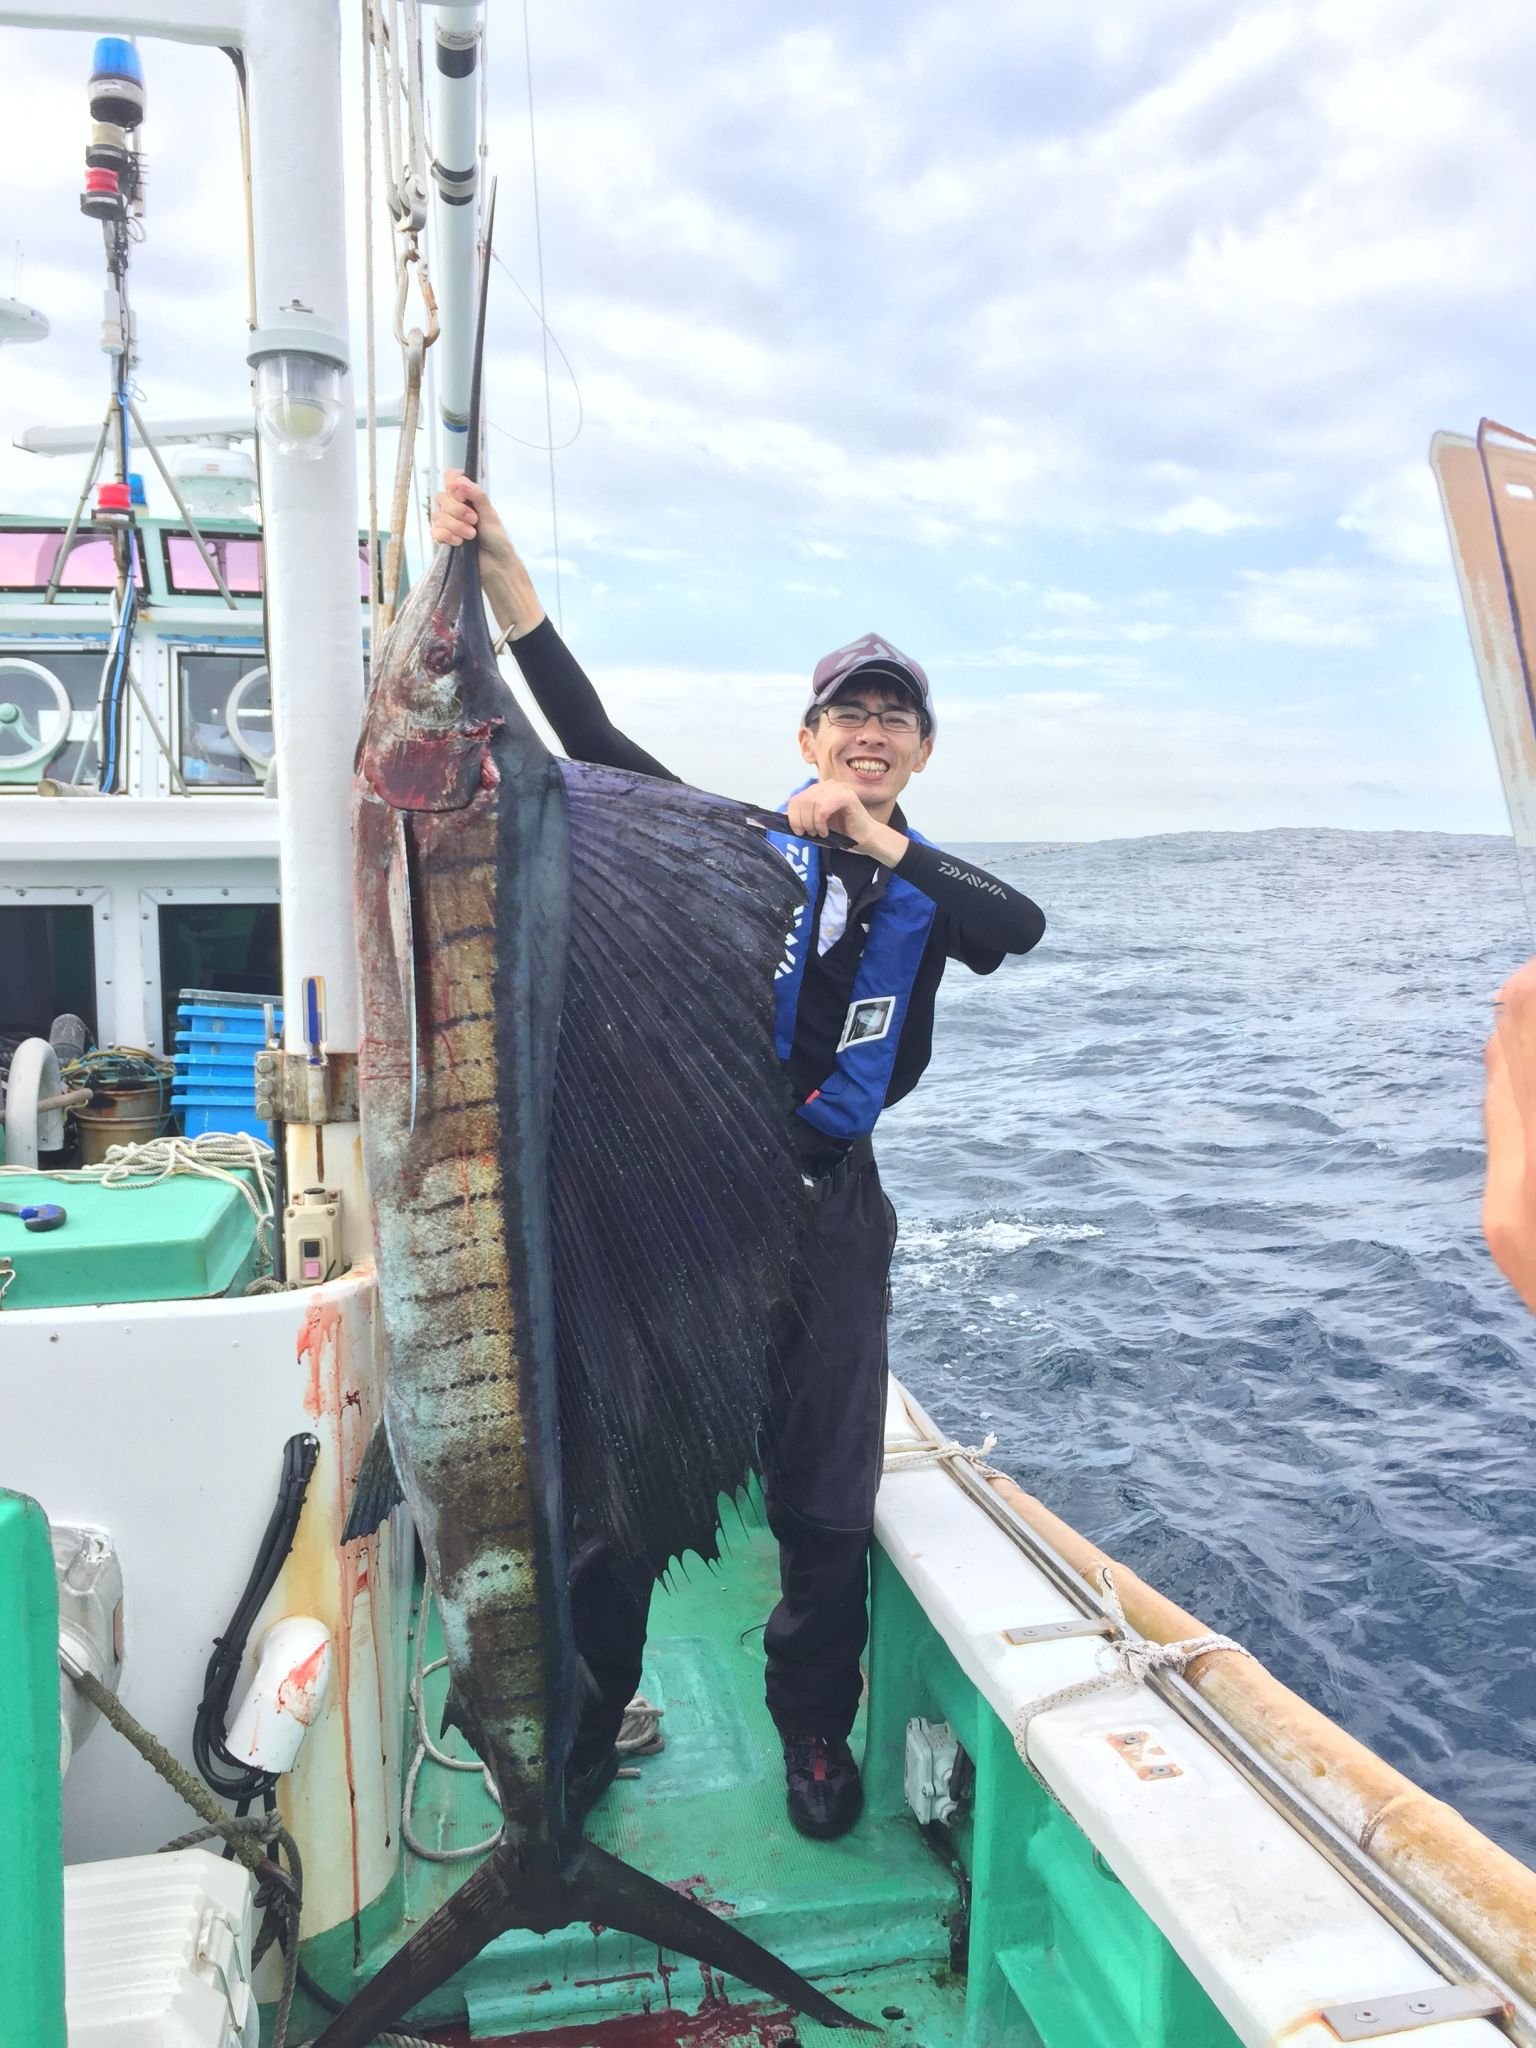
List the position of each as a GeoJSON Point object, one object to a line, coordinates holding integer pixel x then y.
{"type": "Point", "coordinates": [221, 1772]}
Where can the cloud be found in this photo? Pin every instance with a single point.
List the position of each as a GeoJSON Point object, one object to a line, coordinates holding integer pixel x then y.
{"type": "Point", "coordinates": [1326, 605]}
{"type": "Point", "coordinates": [1151, 312]}
{"type": "Point", "coordinates": [1203, 515]}
{"type": "Point", "coordinates": [1053, 763]}
{"type": "Point", "coordinates": [1399, 517]}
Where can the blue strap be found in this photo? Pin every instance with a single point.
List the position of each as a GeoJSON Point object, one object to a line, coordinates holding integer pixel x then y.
{"type": "Point", "coordinates": [850, 1099]}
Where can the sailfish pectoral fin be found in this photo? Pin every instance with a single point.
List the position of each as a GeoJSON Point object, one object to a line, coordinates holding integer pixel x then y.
{"type": "Point", "coordinates": [594, 1886]}
{"type": "Point", "coordinates": [377, 1491]}
{"type": "Point", "coordinates": [402, 927]}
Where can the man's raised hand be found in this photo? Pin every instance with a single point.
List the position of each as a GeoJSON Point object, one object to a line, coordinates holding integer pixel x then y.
{"type": "Point", "coordinates": [462, 511]}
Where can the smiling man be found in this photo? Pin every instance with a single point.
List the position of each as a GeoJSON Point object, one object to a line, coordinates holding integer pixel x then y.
{"type": "Point", "coordinates": [854, 1001]}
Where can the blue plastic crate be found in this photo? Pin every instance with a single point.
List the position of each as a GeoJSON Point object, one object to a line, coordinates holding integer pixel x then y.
{"type": "Point", "coordinates": [228, 1081]}
{"type": "Point", "coordinates": [222, 1020]}
{"type": "Point", "coordinates": [216, 1048]}
{"type": "Point", "coordinates": [199, 1114]}
{"type": "Point", "coordinates": [238, 1055]}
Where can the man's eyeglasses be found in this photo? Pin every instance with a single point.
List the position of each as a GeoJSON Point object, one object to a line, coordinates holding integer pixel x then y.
{"type": "Point", "coordinates": [892, 717]}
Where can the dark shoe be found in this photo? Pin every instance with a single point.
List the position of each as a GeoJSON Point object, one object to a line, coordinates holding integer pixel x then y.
{"type": "Point", "coordinates": [822, 1788]}
{"type": "Point", "coordinates": [584, 1787]}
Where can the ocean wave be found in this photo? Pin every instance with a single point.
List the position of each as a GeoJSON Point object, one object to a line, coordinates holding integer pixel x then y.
{"type": "Point", "coordinates": [1189, 1211]}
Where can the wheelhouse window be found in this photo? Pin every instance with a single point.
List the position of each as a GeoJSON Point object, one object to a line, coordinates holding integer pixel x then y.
{"type": "Point", "coordinates": [48, 698]}
{"type": "Point", "coordinates": [28, 556]}
{"type": "Point", "coordinates": [217, 945]}
{"type": "Point", "coordinates": [49, 954]}
{"type": "Point", "coordinates": [188, 572]}
{"type": "Point", "coordinates": [224, 722]}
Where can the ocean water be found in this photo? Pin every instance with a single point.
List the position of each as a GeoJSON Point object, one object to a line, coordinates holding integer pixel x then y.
{"type": "Point", "coordinates": [1189, 1209]}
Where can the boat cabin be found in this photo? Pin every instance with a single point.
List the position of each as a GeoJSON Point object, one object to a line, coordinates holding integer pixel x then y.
{"type": "Point", "coordinates": [112, 904]}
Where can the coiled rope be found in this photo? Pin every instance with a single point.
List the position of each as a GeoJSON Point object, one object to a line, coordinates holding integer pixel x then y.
{"type": "Point", "coordinates": [639, 1735]}
{"type": "Point", "coordinates": [215, 1155]}
{"type": "Point", "coordinates": [426, 1747]}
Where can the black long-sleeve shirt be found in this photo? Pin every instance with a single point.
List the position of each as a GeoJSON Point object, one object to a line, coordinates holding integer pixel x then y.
{"type": "Point", "coordinates": [978, 919]}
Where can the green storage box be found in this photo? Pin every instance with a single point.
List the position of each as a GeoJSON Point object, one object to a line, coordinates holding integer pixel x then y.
{"type": "Point", "coordinates": [179, 1240]}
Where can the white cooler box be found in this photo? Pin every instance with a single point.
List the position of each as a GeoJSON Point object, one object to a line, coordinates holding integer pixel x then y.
{"type": "Point", "coordinates": [157, 1953]}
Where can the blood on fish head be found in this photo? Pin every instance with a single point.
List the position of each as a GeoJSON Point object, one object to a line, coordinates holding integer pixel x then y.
{"type": "Point", "coordinates": [436, 699]}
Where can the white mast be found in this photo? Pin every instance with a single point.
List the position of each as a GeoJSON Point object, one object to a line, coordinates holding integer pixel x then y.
{"type": "Point", "coordinates": [454, 60]}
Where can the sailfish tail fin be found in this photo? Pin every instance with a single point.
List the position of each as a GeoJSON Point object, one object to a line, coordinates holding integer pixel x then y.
{"type": "Point", "coordinates": [595, 1887]}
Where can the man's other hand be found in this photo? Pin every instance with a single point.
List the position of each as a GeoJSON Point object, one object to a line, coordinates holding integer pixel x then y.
{"type": "Point", "coordinates": [833, 807]}
{"type": "Point", "coordinates": [1509, 1196]}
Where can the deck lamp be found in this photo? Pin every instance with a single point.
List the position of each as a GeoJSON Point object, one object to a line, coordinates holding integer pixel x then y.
{"type": "Point", "coordinates": [299, 367]}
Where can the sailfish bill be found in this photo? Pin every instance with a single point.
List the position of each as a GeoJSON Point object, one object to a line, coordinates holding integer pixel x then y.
{"type": "Point", "coordinates": [586, 1211]}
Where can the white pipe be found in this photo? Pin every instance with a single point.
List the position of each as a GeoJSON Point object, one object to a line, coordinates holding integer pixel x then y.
{"type": "Point", "coordinates": [309, 507]}
{"type": "Point", "coordinates": [452, 55]}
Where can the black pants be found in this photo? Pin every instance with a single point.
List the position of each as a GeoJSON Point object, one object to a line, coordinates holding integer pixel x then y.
{"type": "Point", "coordinates": [825, 1446]}
{"type": "Point", "coordinates": [825, 1442]}
{"type": "Point", "coordinates": [608, 1610]}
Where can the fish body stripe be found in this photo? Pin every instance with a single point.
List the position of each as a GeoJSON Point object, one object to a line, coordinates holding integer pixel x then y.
{"type": "Point", "coordinates": [462, 1397]}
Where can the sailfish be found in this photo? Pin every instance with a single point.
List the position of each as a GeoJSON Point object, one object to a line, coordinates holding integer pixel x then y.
{"type": "Point", "coordinates": [585, 1213]}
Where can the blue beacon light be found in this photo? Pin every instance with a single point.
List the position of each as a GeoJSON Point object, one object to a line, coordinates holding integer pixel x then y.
{"type": "Point", "coordinates": [117, 83]}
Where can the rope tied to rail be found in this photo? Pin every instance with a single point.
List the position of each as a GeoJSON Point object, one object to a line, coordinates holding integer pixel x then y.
{"type": "Point", "coordinates": [1134, 1657]}
{"type": "Point", "coordinates": [903, 1460]}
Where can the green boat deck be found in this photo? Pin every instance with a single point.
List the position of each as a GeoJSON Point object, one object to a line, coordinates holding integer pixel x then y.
{"type": "Point", "coordinates": [865, 1916]}
{"type": "Point", "coordinates": [1060, 1955]}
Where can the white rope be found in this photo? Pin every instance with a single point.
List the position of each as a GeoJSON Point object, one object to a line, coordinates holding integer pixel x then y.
{"type": "Point", "coordinates": [640, 1730]}
{"type": "Point", "coordinates": [416, 126]}
{"type": "Point", "coordinates": [215, 1155]}
{"type": "Point", "coordinates": [426, 1747]}
{"type": "Point", "coordinates": [902, 1460]}
{"type": "Point", "coordinates": [1134, 1657]}
{"type": "Point", "coordinates": [639, 1735]}
{"type": "Point", "coordinates": [403, 148]}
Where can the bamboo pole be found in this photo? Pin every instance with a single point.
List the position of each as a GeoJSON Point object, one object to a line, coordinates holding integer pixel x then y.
{"type": "Point", "coordinates": [1478, 1890]}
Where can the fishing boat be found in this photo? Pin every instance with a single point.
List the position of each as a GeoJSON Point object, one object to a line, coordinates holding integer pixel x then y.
{"type": "Point", "coordinates": [1090, 1821]}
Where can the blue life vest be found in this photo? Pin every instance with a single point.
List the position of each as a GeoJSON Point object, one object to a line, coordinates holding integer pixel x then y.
{"type": "Point", "coordinates": [852, 1096]}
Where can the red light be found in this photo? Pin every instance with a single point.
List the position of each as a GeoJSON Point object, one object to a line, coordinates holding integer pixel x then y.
{"type": "Point", "coordinates": [98, 179]}
{"type": "Point", "coordinates": [113, 498]}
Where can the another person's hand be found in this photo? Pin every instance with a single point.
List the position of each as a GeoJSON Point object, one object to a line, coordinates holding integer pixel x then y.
{"type": "Point", "coordinates": [1509, 1197]}
{"type": "Point", "coordinates": [835, 807]}
{"type": "Point", "coordinates": [462, 511]}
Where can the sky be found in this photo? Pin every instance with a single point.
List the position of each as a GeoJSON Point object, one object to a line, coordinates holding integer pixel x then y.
{"type": "Point", "coordinates": [1089, 354]}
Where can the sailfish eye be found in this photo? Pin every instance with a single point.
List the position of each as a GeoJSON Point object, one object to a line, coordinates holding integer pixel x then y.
{"type": "Point", "coordinates": [439, 658]}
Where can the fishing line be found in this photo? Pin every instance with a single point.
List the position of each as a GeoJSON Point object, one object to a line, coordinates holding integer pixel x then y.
{"type": "Point", "coordinates": [538, 237]}
{"type": "Point", "coordinates": [544, 447]}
